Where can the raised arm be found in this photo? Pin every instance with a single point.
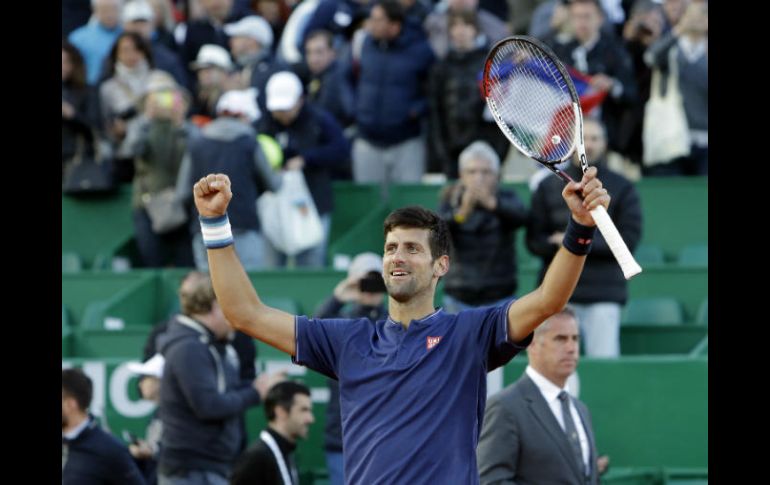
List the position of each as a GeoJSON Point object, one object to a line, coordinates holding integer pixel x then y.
{"type": "Point", "coordinates": [526, 313]}
{"type": "Point", "coordinates": [235, 294]}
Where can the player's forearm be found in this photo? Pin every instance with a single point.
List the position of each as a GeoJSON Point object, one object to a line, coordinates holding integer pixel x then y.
{"type": "Point", "coordinates": [561, 279]}
{"type": "Point", "coordinates": [241, 305]}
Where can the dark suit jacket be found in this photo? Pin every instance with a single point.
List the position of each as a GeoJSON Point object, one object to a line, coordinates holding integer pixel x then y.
{"type": "Point", "coordinates": [522, 443]}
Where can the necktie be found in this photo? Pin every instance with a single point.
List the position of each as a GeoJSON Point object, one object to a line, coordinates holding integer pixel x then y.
{"type": "Point", "coordinates": [571, 430]}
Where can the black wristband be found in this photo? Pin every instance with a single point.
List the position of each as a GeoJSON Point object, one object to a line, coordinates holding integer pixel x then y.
{"type": "Point", "coordinates": [578, 238]}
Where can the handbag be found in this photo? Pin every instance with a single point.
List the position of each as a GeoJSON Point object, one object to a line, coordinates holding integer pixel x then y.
{"type": "Point", "coordinates": [665, 133]}
{"type": "Point", "coordinates": [86, 173]}
{"type": "Point", "coordinates": [289, 217]}
{"type": "Point", "coordinates": [165, 210]}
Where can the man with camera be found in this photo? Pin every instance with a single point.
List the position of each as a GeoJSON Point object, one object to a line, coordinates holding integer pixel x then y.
{"type": "Point", "coordinates": [482, 221]}
{"type": "Point", "coordinates": [361, 294]}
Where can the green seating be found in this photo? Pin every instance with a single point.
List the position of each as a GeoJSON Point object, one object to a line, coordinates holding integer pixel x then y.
{"type": "Point", "coordinates": [71, 262]}
{"type": "Point", "coordinates": [703, 313]}
{"type": "Point", "coordinates": [661, 310]}
{"type": "Point", "coordinates": [649, 254]}
{"type": "Point", "coordinates": [694, 255]}
{"type": "Point", "coordinates": [656, 339]}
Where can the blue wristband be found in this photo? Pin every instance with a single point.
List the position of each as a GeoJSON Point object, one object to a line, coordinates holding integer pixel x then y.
{"type": "Point", "coordinates": [578, 238]}
{"type": "Point", "coordinates": [216, 231]}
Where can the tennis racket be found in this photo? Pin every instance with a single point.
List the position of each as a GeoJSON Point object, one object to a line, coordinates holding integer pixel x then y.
{"type": "Point", "coordinates": [535, 104]}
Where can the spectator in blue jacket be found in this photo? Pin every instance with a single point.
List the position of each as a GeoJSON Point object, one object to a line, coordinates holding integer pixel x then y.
{"type": "Point", "coordinates": [95, 39]}
{"type": "Point", "coordinates": [89, 455]}
{"type": "Point", "coordinates": [391, 99]}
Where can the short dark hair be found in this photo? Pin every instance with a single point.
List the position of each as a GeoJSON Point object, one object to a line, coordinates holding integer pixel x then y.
{"type": "Point", "coordinates": [393, 10]}
{"type": "Point", "coordinates": [282, 394]}
{"type": "Point", "coordinates": [323, 34]}
{"type": "Point", "coordinates": [75, 383]}
{"type": "Point", "coordinates": [417, 217]}
{"type": "Point", "coordinates": [469, 17]}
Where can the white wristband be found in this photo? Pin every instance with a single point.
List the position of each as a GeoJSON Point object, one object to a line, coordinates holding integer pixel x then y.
{"type": "Point", "coordinates": [216, 231]}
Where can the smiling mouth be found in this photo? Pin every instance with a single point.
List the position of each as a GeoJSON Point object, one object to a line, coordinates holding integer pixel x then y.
{"type": "Point", "coordinates": [398, 273]}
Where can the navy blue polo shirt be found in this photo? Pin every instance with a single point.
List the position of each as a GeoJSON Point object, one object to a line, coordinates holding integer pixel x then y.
{"type": "Point", "coordinates": [412, 401]}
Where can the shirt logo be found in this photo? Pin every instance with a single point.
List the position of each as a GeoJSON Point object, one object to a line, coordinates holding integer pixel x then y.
{"type": "Point", "coordinates": [432, 342]}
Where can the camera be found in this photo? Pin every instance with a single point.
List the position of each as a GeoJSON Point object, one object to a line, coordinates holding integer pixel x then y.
{"type": "Point", "coordinates": [372, 283]}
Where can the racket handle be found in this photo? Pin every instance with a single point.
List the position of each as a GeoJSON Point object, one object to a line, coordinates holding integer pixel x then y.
{"type": "Point", "coordinates": [615, 241]}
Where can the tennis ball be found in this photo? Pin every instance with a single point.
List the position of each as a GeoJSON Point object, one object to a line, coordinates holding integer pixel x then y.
{"type": "Point", "coordinates": [555, 139]}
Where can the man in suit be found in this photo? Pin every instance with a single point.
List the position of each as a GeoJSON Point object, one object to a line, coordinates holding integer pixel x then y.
{"type": "Point", "coordinates": [525, 437]}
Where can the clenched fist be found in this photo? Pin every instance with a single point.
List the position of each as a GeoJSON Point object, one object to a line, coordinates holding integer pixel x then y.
{"type": "Point", "coordinates": [212, 194]}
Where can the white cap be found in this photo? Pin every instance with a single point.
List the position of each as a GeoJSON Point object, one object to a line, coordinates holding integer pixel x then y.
{"type": "Point", "coordinates": [240, 101]}
{"type": "Point", "coordinates": [212, 55]}
{"type": "Point", "coordinates": [283, 91]}
{"type": "Point", "coordinates": [153, 367]}
{"type": "Point", "coordinates": [137, 10]}
{"type": "Point", "coordinates": [252, 26]}
{"type": "Point", "coordinates": [365, 263]}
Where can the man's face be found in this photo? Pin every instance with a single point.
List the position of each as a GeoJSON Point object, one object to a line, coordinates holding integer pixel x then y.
{"type": "Point", "coordinates": [586, 20]}
{"type": "Point", "coordinates": [674, 9]}
{"type": "Point", "coordinates": [242, 46]}
{"type": "Point", "coordinates": [149, 388]}
{"type": "Point", "coordinates": [554, 353]}
{"type": "Point", "coordinates": [287, 116]}
{"type": "Point", "coordinates": [209, 77]}
{"type": "Point", "coordinates": [462, 35]}
{"type": "Point", "coordinates": [595, 142]}
{"type": "Point", "coordinates": [107, 13]}
{"type": "Point", "coordinates": [218, 9]}
{"type": "Point", "coordinates": [478, 172]}
{"type": "Point", "coordinates": [463, 4]}
{"type": "Point", "coordinates": [300, 417]}
{"type": "Point", "coordinates": [379, 25]}
{"type": "Point", "coordinates": [318, 54]}
{"type": "Point", "coordinates": [408, 268]}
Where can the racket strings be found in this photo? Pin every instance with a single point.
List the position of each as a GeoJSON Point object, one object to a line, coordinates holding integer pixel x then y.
{"type": "Point", "coordinates": [531, 101]}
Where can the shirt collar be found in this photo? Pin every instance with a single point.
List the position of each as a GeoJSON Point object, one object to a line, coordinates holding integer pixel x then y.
{"type": "Point", "coordinates": [286, 446]}
{"type": "Point", "coordinates": [79, 429]}
{"type": "Point", "coordinates": [548, 389]}
{"type": "Point", "coordinates": [426, 319]}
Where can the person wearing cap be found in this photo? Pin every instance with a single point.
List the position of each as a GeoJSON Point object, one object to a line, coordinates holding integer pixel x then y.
{"type": "Point", "coordinates": [212, 68]}
{"type": "Point", "coordinates": [138, 16]}
{"type": "Point", "coordinates": [351, 299]}
{"type": "Point", "coordinates": [229, 145]}
{"type": "Point", "coordinates": [158, 140]}
{"type": "Point", "coordinates": [251, 43]}
{"type": "Point", "coordinates": [206, 29]}
{"type": "Point", "coordinates": [146, 451]}
{"type": "Point", "coordinates": [312, 141]}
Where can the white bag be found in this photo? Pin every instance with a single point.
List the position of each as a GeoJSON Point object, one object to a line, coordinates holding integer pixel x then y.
{"type": "Point", "coordinates": [289, 217]}
{"type": "Point", "coordinates": [665, 133]}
